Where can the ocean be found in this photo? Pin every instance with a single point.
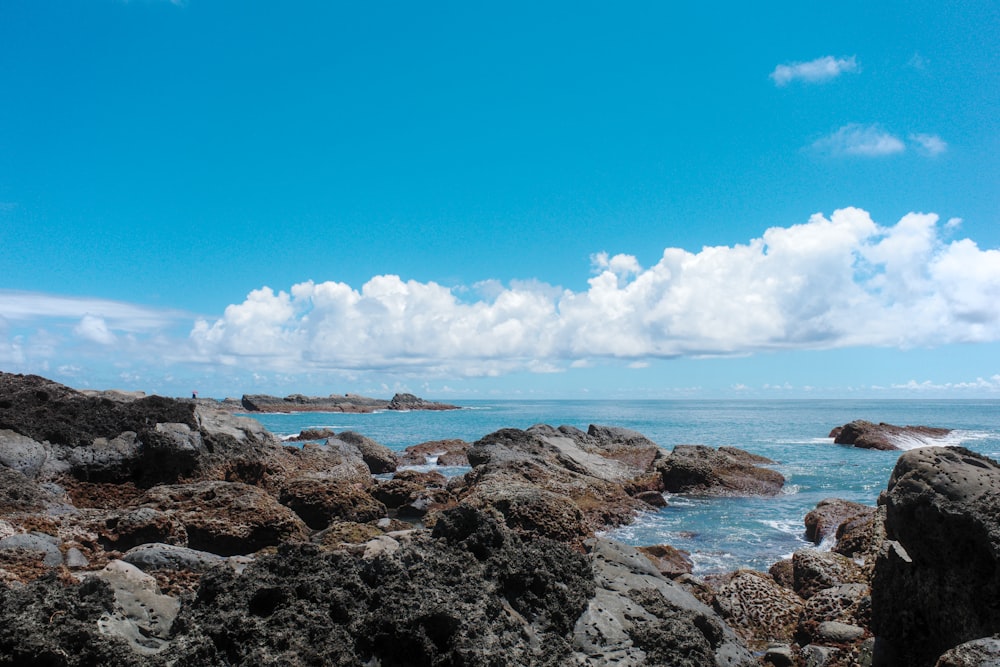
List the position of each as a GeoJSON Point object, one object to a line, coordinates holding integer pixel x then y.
{"type": "Point", "coordinates": [721, 534]}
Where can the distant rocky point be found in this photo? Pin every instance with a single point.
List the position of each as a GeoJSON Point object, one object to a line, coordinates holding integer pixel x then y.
{"type": "Point", "coordinates": [336, 403]}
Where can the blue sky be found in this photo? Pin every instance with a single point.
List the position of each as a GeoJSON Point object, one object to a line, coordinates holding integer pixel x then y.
{"type": "Point", "coordinates": [527, 199]}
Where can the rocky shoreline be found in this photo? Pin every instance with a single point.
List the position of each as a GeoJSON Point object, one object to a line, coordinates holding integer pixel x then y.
{"type": "Point", "coordinates": [140, 530]}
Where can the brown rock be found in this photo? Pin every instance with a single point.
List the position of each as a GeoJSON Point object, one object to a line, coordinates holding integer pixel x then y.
{"type": "Point", "coordinates": [704, 470]}
{"type": "Point", "coordinates": [319, 501]}
{"type": "Point", "coordinates": [868, 435]}
{"type": "Point", "coordinates": [226, 518]}
{"type": "Point", "coordinates": [824, 521]}
{"type": "Point", "coordinates": [447, 453]}
{"type": "Point", "coordinates": [758, 608]}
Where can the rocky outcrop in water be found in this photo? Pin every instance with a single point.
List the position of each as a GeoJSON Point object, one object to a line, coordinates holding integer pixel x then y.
{"type": "Point", "coordinates": [336, 403]}
{"type": "Point", "coordinates": [719, 472]}
{"type": "Point", "coordinates": [868, 435]}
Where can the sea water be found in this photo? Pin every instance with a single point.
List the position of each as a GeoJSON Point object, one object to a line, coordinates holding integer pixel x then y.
{"type": "Point", "coordinates": [721, 534]}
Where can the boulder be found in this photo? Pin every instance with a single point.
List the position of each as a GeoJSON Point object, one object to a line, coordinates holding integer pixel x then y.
{"type": "Point", "coordinates": [318, 502]}
{"type": "Point", "coordinates": [638, 617]}
{"type": "Point", "coordinates": [937, 582]}
{"type": "Point", "coordinates": [823, 522]}
{"type": "Point", "coordinates": [983, 652]}
{"type": "Point", "coordinates": [815, 570]}
{"type": "Point", "coordinates": [757, 607]}
{"type": "Point", "coordinates": [557, 483]}
{"type": "Point", "coordinates": [411, 402]}
{"type": "Point", "coordinates": [868, 435]}
{"type": "Point", "coordinates": [378, 457]}
{"type": "Point", "coordinates": [699, 469]}
{"type": "Point", "coordinates": [226, 518]}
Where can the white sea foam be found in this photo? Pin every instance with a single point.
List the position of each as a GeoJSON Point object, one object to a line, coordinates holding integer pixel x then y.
{"type": "Point", "coordinates": [907, 441]}
{"type": "Point", "coordinates": [790, 489]}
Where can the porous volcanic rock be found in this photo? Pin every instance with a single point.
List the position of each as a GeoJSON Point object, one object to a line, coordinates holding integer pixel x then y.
{"type": "Point", "coordinates": [378, 457]}
{"type": "Point", "coordinates": [757, 607]}
{"type": "Point", "coordinates": [868, 435]}
{"type": "Point", "coordinates": [226, 518]}
{"type": "Point", "coordinates": [319, 501]}
{"type": "Point", "coordinates": [701, 469]}
{"type": "Point", "coordinates": [938, 581]}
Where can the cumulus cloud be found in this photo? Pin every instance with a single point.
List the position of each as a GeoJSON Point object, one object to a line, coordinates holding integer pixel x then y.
{"type": "Point", "coordinates": [814, 71]}
{"type": "Point", "coordinates": [827, 283]}
{"type": "Point", "coordinates": [856, 139]}
{"type": "Point", "coordinates": [94, 329]}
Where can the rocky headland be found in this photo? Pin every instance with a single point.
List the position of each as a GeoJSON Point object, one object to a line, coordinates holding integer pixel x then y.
{"type": "Point", "coordinates": [140, 530]}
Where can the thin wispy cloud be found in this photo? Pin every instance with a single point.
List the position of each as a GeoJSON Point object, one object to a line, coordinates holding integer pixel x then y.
{"type": "Point", "coordinates": [814, 71]}
{"type": "Point", "coordinates": [929, 144]}
{"type": "Point", "coordinates": [860, 140]}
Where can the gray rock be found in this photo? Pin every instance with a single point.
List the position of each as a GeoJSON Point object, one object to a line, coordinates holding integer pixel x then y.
{"type": "Point", "coordinates": [835, 632]}
{"type": "Point", "coordinates": [638, 617]}
{"type": "Point", "coordinates": [21, 453]}
{"type": "Point", "coordinates": [779, 656]}
{"type": "Point", "coordinates": [75, 559]}
{"type": "Point", "coordinates": [46, 547]}
{"type": "Point", "coordinates": [156, 556]}
{"type": "Point", "coordinates": [983, 652]}
{"type": "Point", "coordinates": [141, 615]}
{"type": "Point", "coordinates": [936, 583]}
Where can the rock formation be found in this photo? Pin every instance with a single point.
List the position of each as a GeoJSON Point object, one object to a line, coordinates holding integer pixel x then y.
{"type": "Point", "coordinates": [868, 435]}
{"type": "Point", "coordinates": [336, 403]}
{"type": "Point", "coordinates": [937, 583]}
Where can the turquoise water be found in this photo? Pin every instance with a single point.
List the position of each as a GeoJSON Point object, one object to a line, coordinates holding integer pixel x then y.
{"type": "Point", "coordinates": [721, 534]}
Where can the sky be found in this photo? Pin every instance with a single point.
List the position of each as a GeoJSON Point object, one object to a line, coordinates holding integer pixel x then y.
{"type": "Point", "coordinates": [514, 200]}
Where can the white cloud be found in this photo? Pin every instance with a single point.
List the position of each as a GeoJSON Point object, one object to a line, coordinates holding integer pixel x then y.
{"type": "Point", "coordinates": [814, 71]}
{"type": "Point", "coordinates": [929, 144]}
{"type": "Point", "coordinates": [856, 139]}
{"type": "Point", "coordinates": [94, 329]}
{"type": "Point", "coordinates": [830, 282]}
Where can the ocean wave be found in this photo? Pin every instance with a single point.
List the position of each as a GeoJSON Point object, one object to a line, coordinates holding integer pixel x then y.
{"type": "Point", "coordinates": [908, 441]}
{"type": "Point", "coordinates": [790, 489]}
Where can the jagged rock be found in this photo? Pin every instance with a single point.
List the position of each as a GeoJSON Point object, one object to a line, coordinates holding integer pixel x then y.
{"type": "Point", "coordinates": [704, 470]}
{"type": "Point", "coordinates": [226, 518]}
{"type": "Point", "coordinates": [937, 582]}
{"type": "Point", "coordinates": [313, 434]}
{"type": "Point", "coordinates": [319, 501]}
{"type": "Point", "coordinates": [861, 537]}
{"type": "Point", "coordinates": [758, 608]}
{"type": "Point", "coordinates": [868, 435]}
{"type": "Point", "coordinates": [558, 483]}
{"type": "Point", "coordinates": [637, 617]}
{"type": "Point", "coordinates": [18, 493]}
{"type": "Point", "coordinates": [824, 521]}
